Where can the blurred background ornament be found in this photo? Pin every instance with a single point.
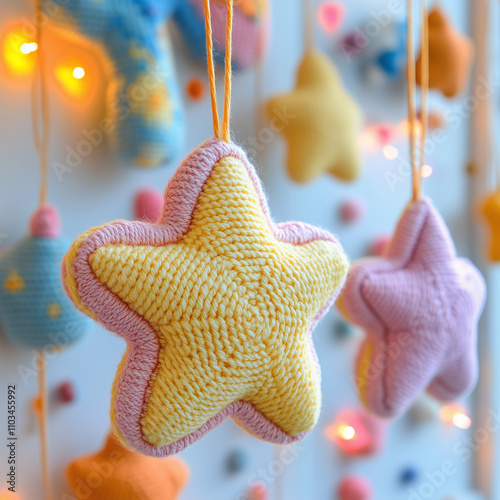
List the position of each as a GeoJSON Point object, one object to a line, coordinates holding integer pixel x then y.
{"type": "Point", "coordinates": [117, 473]}
{"type": "Point", "coordinates": [330, 16]}
{"type": "Point", "coordinates": [35, 313]}
{"type": "Point", "coordinates": [450, 56]}
{"type": "Point", "coordinates": [323, 136]}
{"type": "Point", "coordinates": [352, 210]}
{"type": "Point", "coordinates": [237, 461]}
{"type": "Point", "coordinates": [144, 115]}
{"type": "Point", "coordinates": [354, 488]}
{"type": "Point", "coordinates": [148, 204]}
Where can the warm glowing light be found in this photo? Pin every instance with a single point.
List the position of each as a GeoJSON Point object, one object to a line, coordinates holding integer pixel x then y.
{"type": "Point", "coordinates": [369, 139]}
{"type": "Point", "coordinates": [7, 495]}
{"type": "Point", "coordinates": [426, 171]}
{"type": "Point", "coordinates": [347, 432]}
{"type": "Point", "coordinates": [71, 78]}
{"type": "Point", "coordinates": [356, 432]}
{"type": "Point", "coordinates": [18, 53]}
{"type": "Point", "coordinates": [461, 421]}
{"type": "Point", "coordinates": [78, 73]}
{"type": "Point", "coordinates": [28, 47]}
{"type": "Point", "coordinates": [454, 414]}
{"type": "Point", "coordinates": [390, 152]}
{"type": "Point", "coordinates": [404, 128]}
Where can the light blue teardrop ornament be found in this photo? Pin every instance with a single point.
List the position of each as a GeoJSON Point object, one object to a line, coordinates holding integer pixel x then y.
{"type": "Point", "coordinates": [35, 312]}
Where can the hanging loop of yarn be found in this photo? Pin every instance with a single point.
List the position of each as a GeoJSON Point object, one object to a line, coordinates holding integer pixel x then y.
{"type": "Point", "coordinates": [224, 133]}
{"type": "Point", "coordinates": [417, 161]}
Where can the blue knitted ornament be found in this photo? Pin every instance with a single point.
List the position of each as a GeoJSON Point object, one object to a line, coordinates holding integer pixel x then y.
{"type": "Point", "coordinates": [35, 312]}
{"type": "Point", "coordinates": [144, 105]}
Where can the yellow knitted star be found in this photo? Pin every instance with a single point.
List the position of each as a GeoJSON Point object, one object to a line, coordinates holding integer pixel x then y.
{"type": "Point", "coordinates": [217, 304]}
{"type": "Point", "coordinates": [321, 122]}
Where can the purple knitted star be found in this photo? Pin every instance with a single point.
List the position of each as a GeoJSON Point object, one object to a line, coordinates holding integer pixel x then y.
{"type": "Point", "coordinates": [420, 306]}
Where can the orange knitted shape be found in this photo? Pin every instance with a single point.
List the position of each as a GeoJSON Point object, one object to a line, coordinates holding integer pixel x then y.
{"type": "Point", "coordinates": [491, 212]}
{"type": "Point", "coordinates": [450, 56]}
{"type": "Point", "coordinates": [117, 473]}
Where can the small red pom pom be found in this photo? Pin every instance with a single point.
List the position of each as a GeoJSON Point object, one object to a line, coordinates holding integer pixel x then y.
{"type": "Point", "coordinates": [352, 210]}
{"type": "Point", "coordinates": [148, 205]}
{"type": "Point", "coordinates": [66, 392]}
{"type": "Point", "coordinates": [354, 488]}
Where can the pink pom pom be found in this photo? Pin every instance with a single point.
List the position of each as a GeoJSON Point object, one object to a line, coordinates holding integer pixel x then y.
{"type": "Point", "coordinates": [353, 43]}
{"type": "Point", "coordinates": [331, 15]}
{"type": "Point", "coordinates": [148, 205]}
{"type": "Point", "coordinates": [45, 223]}
{"type": "Point", "coordinates": [380, 245]}
{"type": "Point", "coordinates": [352, 210]}
{"type": "Point", "coordinates": [258, 491]}
{"type": "Point", "coordinates": [354, 488]}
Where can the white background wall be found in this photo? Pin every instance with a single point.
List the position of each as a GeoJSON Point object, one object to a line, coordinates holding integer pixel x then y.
{"type": "Point", "coordinates": [100, 190]}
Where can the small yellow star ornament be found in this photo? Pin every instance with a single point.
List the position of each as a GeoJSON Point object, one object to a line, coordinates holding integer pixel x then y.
{"type": "Point", "coordinates": [324, 120]}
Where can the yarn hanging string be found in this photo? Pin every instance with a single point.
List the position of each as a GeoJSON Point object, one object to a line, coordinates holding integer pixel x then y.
{"type": "Point", "coordinates": [308, 25]}
{"type": "Point", "coordinates": [43, 424]}
{"type": "Point", "coordinates": [224, 132]}
{"type": "Point", "coordinates": [41, 130]}
{"type": "Point", "coordinates": [417, 150]}
{"type": "Point", "coordinates": [40, 108]}
{"type": "Point", "coordinates": [489, 126]}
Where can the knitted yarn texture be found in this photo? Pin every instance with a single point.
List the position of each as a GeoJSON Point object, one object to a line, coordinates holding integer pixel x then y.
{"type": "Point", "coordinates": [420, 306]}
{"type": "Point", "coordinates": [216, 303]}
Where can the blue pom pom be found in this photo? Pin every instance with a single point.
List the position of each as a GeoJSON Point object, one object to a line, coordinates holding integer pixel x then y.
{"type": "Point", "coordinates": [343, 329]}
{"type": "Point", "coordinates": [409, 475]}
{"type": "Point", "coordinates": [237, 461]}
{"type": "Point", "coordinates": [389, 63]}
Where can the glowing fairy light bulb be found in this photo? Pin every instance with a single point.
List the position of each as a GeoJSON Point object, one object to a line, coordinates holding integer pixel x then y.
{"type": "Point", "coordinates": [28, 47]}
{"type": "Point", "coordinates": [78, 73]}
{"type": "Point", "coordinates": [455, 415]}
{"type": "Point", "coordinates": [347, 432]}
{"type": "Point", "coordinates": [426, 171]}
{"type": "Point", "coordinates": [461, 421]}
{"type": "Point", "coordinates": [356, 432]}
{"type": "Point", "coordinates": [17, 53]}
{"type": "Point", "coordinates": [390, 152]}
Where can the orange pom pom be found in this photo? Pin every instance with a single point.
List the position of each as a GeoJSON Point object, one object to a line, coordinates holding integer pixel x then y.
{"type": "Point", "coordinates": [195, 89]}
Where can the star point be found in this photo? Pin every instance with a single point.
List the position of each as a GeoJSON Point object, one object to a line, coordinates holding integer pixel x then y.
{"type": "Point", "coordinates": [217, 304]}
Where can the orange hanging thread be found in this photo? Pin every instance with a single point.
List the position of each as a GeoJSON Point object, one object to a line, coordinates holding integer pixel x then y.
{"type": "Point", "coordinates": [417, 153]}
{"type": "Point", "coordinates": [226, 133]}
